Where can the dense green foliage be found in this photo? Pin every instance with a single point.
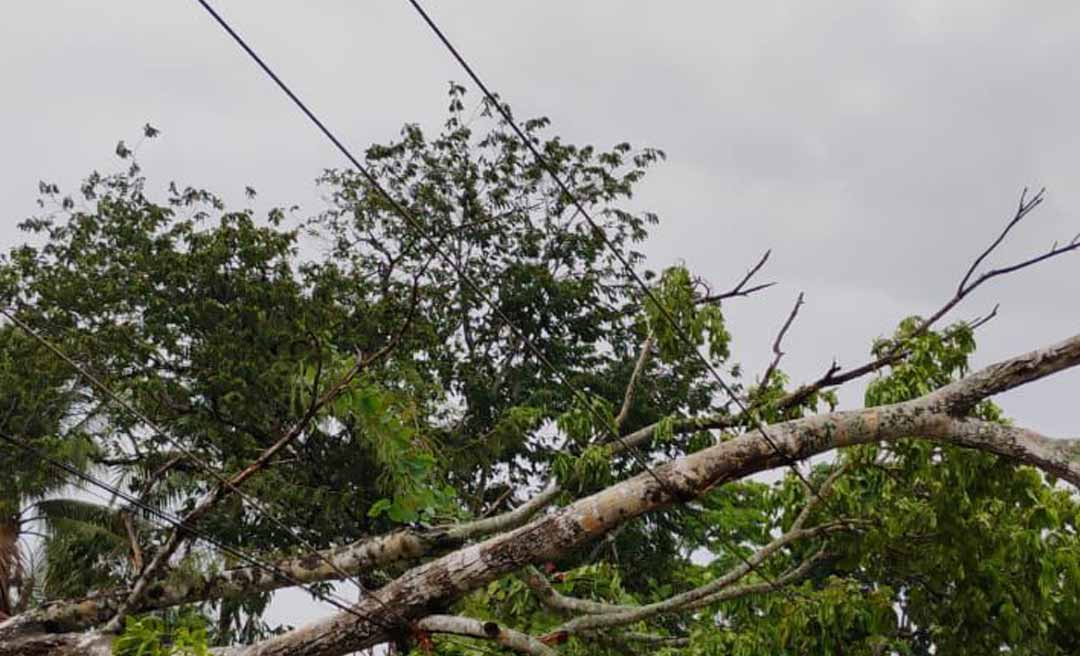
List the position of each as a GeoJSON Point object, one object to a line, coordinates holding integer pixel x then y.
{"type": "Point", "coordinates": [171, 635]}
{"type": "Point", "coordinates": [224, 329]}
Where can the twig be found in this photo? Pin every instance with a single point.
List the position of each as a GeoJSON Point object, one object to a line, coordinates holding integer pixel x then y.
{"type": "Point", "coordinates": [978, 322]}
{"type": "Point", "coordinates": [777, 353]}
{"type": "Point", "coordinates": [741, 289]}
{"type": "Point", "coordinates": [628, 397]}
{"type": "Point", "coordinates": [1024, 208]}
{"type": "Point", "coordinates": [834, 376]}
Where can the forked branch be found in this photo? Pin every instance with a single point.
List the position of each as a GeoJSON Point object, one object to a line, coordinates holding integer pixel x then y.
{"type": "Point", "coordinates": [741, 289]}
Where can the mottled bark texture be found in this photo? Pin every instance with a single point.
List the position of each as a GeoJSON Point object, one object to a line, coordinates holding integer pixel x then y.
{"type": "Point", "coordinates": [354, 559]}
{"type": "Point", "coordinates": [464, 626]}
{"type": "Point", "coordinates": [425, 589]}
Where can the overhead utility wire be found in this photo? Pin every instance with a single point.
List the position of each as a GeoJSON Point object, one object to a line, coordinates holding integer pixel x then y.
{"type": "Point", "coordinates": [599, 231]}
{"type": "Point", "coordinates": [400, 210]}
{"type": "Point", "coordinates": [260, 508]}
{"type": "Point", "coordinates": [179, 525]}
{"type": "Point", "coordinates": [418, 228]}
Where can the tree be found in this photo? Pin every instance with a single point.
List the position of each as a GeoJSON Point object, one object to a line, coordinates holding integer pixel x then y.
{"type": "Point", "coordinates": [486, 424]}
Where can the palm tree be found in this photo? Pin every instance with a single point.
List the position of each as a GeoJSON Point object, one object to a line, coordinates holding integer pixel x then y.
{"type": "Point", "coordinates": [57, 546]}
{"type": "Point", "coordinates": [40, 403]}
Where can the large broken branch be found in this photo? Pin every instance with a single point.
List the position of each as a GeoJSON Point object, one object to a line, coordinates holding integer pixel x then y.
{"type": "Point", "coordinates": [353, 559]}
{"type": "Point", "coordinates": [444, 580]}
{"type": "Point", "coordinates": [937, 416]}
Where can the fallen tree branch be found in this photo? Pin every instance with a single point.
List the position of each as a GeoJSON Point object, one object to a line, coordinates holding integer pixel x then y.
{"type": "Point", "coordinates": [328, 564]}
{"type": "Point", "coordinates": [466, 626]}
{"type": "Point", "coordinates": [937, 416]}
{"type": "Point", "coordinates": [626, 614]}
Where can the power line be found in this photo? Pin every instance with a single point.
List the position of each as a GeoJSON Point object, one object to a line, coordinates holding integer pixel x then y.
{"type": "Point", "coordinates": [418, 228]}
{"type": "Point", "coordinates": [473, 286]}
{"type": "Point", "coordinates": [179, 525]}
{"type": "Point", "coordinates": [199, 462]}
{"type": "Point", "coordinates": [599, 231]}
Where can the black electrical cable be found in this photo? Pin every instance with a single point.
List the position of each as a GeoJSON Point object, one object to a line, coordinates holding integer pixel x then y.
{"type": "Point", "coordinates": [178, 525]}
{"type": "Point", "coordinates": [599, 231]}
{"type": "Point", "coordinates": [194, 458]}
{"type": "Point", "coordinates": [419, 229]}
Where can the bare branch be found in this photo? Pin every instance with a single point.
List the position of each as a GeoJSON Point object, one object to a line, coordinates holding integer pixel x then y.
{"type": "Point", "coordinates": [628, 638]}
{"type": "Point", "coordinates": [777, 353]}
{"type": "Point", "coordinates": [979, 322]}
{"type": "Point", "coordinates": [555, 600]}
{"type": "Point", "coordinates": [1024, 208]}
{"type": "Point", "coordinates": [834, 376]}
{"type": "Point", "coordinates": [741, 289]}
{"type": "Point", "coordinates": [793, 575]}
{"type": "Point", "coordinates": [676, 603]}
{"type": "Point", "coordinates": [507, 520]}
{"type": "Point", "coordinates": [654, 640]}
{"type": "Point", "coordinates": [628, 397]}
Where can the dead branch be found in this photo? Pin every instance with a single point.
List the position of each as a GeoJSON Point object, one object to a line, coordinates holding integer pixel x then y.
{"type": "Point", "coordinates": [740, 289]}
{"type": "Point", "coordinates": [628, 397]}
{"type": "Point", "coordinates": [834, 376]}
{"type": "Point", "coordinates": [777, 353]}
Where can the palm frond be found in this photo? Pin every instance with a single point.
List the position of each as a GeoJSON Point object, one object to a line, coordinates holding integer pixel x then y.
{"type": "Point", "coordinates": [86, 545]}
{"type": "Point", "coordinates": [67, 513]}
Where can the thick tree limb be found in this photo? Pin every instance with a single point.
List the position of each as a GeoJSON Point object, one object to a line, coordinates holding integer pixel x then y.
{"type": "Point", "coordinates": [466, 626]}
{"type": "Point", "coordinates": [936, 416]}
{"type": "Point", "coordinates": [328, 564]}
{"type": "Point", "coordinates": [619, 614]}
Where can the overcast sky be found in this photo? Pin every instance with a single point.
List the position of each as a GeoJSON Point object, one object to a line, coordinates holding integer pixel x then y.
{"type": "Point", "coordinates": [876, 147]}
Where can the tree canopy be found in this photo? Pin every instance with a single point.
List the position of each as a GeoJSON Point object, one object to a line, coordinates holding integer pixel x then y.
{"type": "Point", "coordinates": [485, 423]}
